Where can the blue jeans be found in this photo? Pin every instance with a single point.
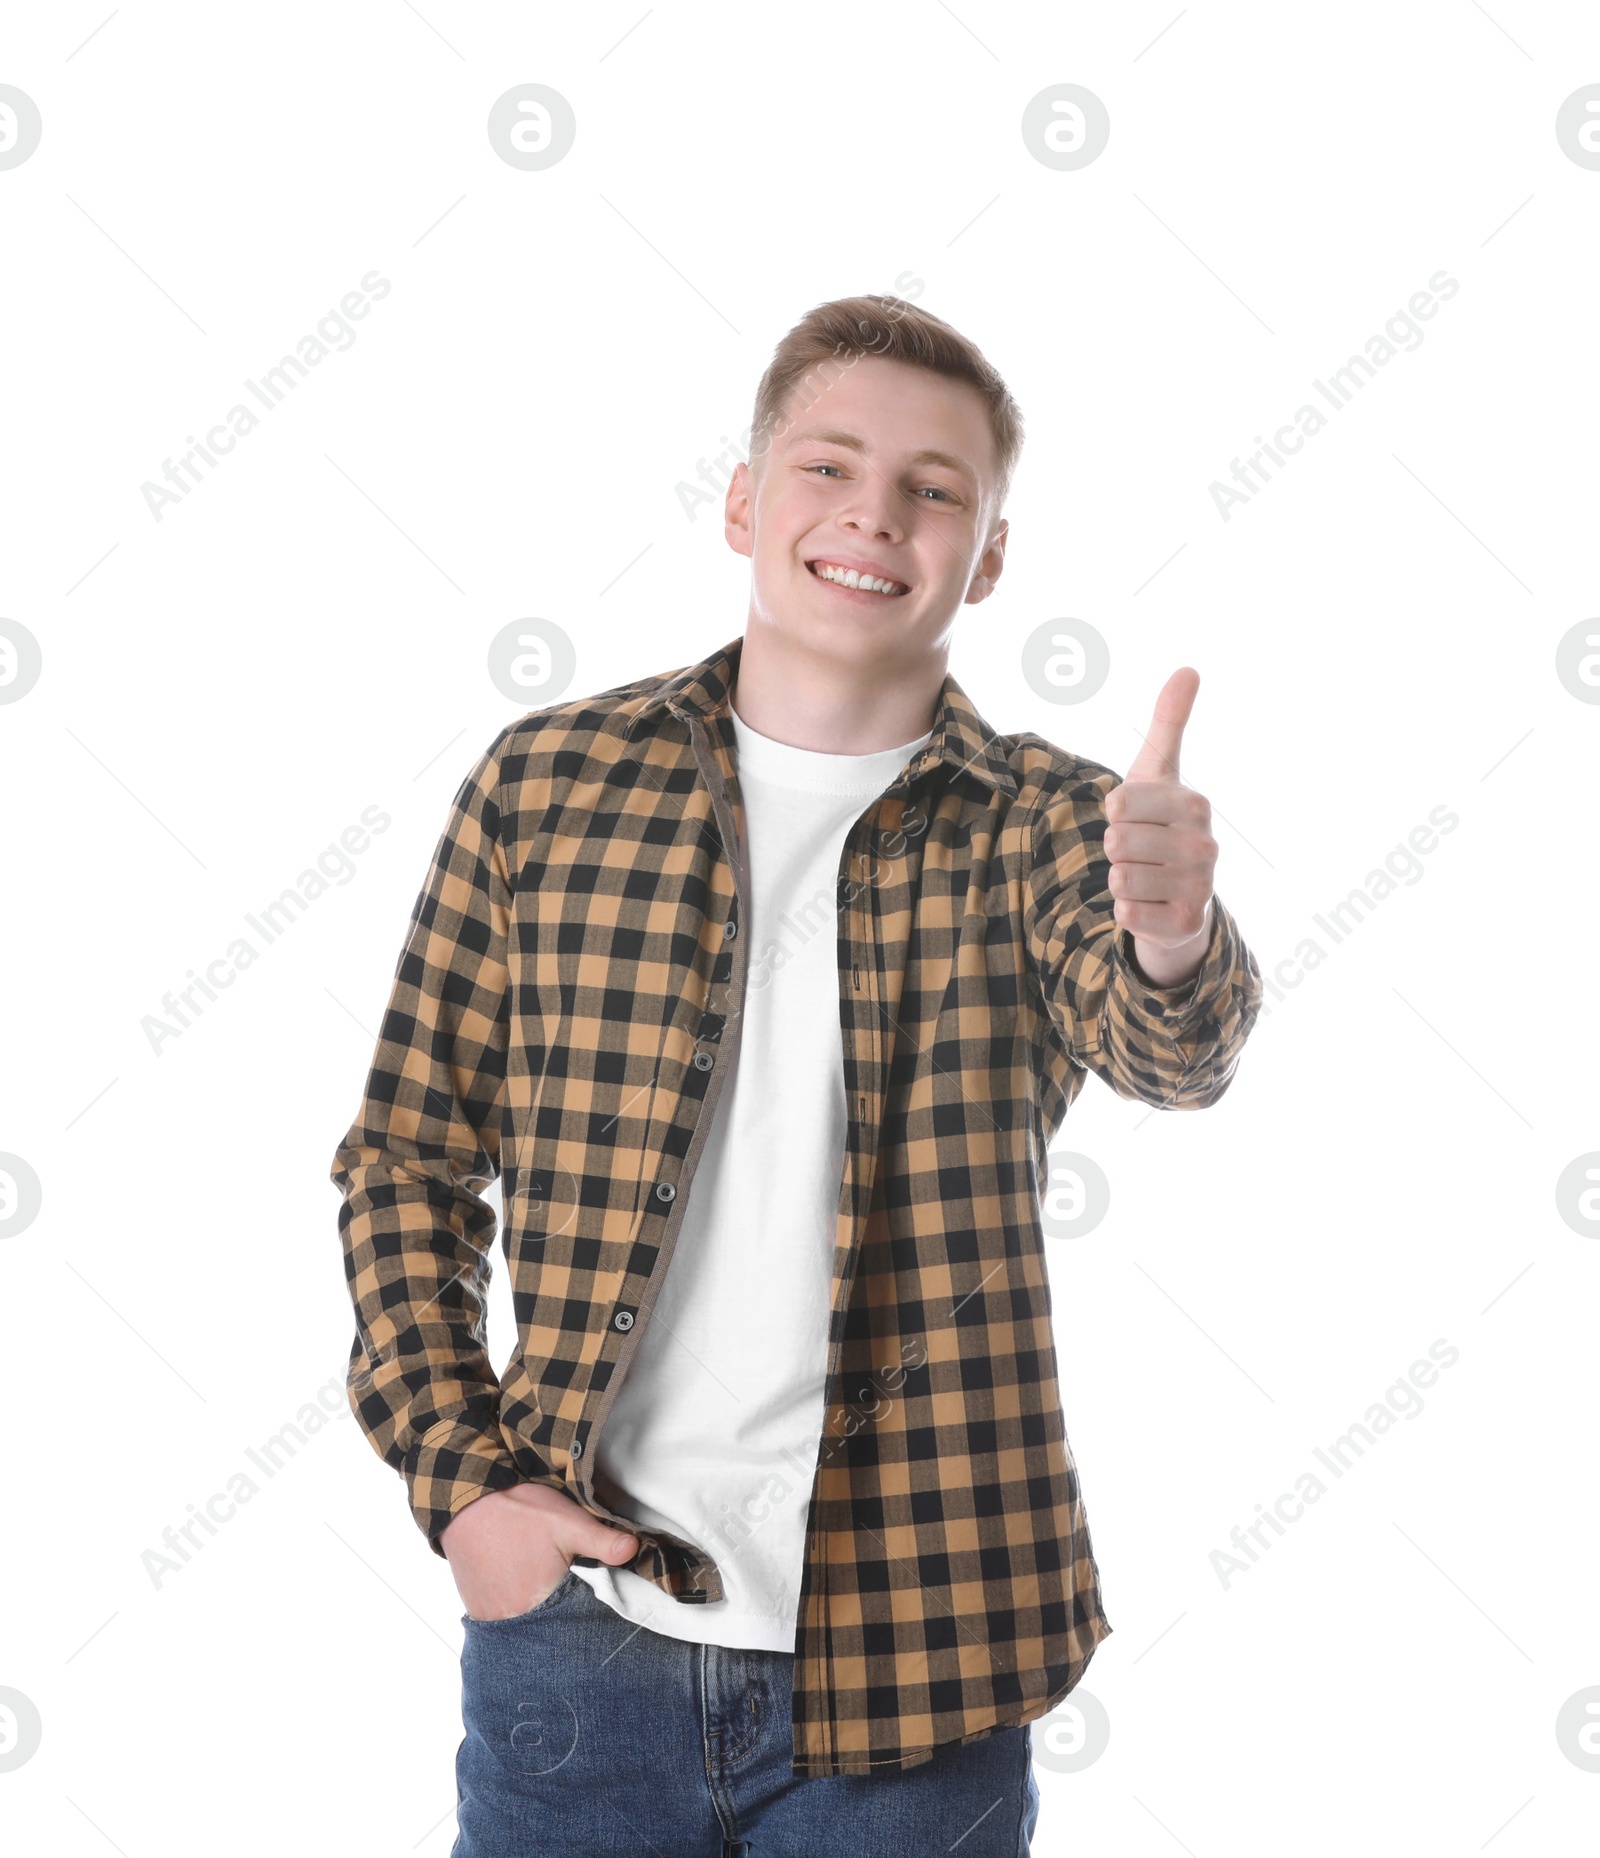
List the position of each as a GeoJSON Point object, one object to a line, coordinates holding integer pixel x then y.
{"type": "Point", "coordinates": [590, 1737]}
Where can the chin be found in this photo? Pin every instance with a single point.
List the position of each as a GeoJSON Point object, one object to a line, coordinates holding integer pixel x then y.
{"type": "Point", "coordinates": [845, 638]}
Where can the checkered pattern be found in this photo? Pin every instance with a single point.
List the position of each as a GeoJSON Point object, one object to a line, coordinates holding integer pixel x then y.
{"type": "Point", "coordinates": [564, 1012]}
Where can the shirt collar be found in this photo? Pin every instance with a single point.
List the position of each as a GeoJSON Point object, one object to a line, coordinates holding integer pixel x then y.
{"type": "Point", "coordinates": [960, 736]}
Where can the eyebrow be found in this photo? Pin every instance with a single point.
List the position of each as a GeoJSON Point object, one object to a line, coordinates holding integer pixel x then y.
{"type": "Point", "coordinates": [831, 435]}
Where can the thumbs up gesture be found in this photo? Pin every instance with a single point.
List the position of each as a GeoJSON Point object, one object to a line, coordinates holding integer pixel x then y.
{"type": "Point", "coordinates": [1158, 839]}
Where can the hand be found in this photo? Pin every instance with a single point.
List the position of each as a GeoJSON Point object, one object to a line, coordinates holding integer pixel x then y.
{"type": "Point", "coordinates": [1162, 853]}
{"type": "Point", "coordinates": [510, 1549]}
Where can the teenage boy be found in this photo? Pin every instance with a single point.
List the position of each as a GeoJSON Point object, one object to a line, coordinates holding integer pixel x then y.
{"type": "Point", "coordinates": [763, 986]}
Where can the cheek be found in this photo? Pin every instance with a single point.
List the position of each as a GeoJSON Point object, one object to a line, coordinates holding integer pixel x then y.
{"type": "Point", "coordinates": [786, 519]}
{"type": "Point", "coordinates": [949, 560]}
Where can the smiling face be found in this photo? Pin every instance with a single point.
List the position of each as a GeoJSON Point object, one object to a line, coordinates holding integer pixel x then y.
{"type": "Point", "coordinates": [890, 474]}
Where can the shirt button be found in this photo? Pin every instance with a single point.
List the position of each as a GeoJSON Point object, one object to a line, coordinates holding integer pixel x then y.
{"type": "Point", "coordinates": [729, 930]}
{"type": "Point", "coordinates": [666, 1191]}
{"type": "Point", "coordinates": [575, 1450]}
{"type": "Point", "coordinates": [622, 1320]}
{"type": "Point", "coordinates": [703, 1061]}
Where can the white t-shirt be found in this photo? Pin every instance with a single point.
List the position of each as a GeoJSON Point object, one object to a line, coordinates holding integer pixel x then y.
{"type": "Point", "coordinates": [717, 1424]}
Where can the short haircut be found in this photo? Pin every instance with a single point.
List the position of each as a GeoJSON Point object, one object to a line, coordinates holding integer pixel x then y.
{"type": "Point", "coordinates": [832, 337]}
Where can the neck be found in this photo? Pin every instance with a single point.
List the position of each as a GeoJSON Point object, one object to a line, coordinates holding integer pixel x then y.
{"type": "Point", "coordinates": [796, 697]}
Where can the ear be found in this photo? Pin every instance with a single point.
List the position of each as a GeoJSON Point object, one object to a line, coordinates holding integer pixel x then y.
{"type": "Point", "coordinates": [738, 512]}
{"type": "Point", "coordinates": [991, 564]}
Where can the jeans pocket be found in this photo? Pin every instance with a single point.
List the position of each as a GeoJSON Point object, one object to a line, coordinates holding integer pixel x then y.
{"type": "Point", "coordinates": [559, 1592]}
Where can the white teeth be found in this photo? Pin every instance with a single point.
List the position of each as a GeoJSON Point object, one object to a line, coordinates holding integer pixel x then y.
{"type": "Point", "coordinates": [849, 577]}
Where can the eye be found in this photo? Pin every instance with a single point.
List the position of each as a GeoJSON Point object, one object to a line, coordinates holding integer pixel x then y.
{"type": "Point", "coordinates": [824, 466]}
{"type": "Point", "coordinates": [939, 491]}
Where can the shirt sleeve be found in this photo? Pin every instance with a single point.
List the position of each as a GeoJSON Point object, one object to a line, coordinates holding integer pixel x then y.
{"type": "Point", "coordinates": [412, 1168]}
{"type": "Point", "coordinates": [1174, 1047]}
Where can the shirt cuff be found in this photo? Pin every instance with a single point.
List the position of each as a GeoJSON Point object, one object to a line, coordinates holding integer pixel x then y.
{"type": "Point", "coordinates": [453, 1464]}
{"type": "Point", "coordinates": [1184, 1001]}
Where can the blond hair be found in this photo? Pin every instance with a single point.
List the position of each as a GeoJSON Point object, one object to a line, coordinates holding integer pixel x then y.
{"type": "Point", "coordinates": [835, 336]}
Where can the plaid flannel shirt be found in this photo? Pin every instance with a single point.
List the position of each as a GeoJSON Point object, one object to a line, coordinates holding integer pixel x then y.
{"type": "Point", "coordinates": [563, 1014]}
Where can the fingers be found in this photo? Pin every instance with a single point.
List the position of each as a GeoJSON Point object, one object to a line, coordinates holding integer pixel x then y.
{"type": "Point", "coordinates": [1166, 924]}
{"type": "Point", "coordinates": [1156, 803]}
{"type": "Point", "coordinates": [569, 1529]}
{"type": "Point", "coordinates": [1142, 844]}
{"type": "Point", "coordinates": [1189, 852]}
{"type": "Point", "coordinates": [1157, 759]}
{"type": "Point", "coordinates": [1150, 883]}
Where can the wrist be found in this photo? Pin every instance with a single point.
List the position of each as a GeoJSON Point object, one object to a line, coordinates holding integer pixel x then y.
{"type": "Point", "coordinates": [1173, 964]}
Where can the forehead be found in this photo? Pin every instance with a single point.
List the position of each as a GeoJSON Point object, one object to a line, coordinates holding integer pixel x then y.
{"type": "Point", "coordinates": [895, 412]}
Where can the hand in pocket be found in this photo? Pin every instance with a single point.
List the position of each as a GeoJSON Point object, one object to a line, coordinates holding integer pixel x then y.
{"type": "Point", "coordinates": [510, 1549]}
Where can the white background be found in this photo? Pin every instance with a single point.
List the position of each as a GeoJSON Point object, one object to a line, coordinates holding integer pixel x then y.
{"type": "Point", "coordinates": [305, 635]}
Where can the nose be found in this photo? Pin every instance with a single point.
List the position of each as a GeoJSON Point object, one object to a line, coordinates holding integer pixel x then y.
{"type": "Point", "coordinates": [875, 510]}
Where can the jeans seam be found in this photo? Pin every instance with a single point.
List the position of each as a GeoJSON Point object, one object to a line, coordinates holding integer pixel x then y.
{"type": "Point", "coordinates": [1026, 1735]}
{"type": "Point", "coordinates": [703, 1658]}
{"type": "Point", "coordinates": [757, 1727]}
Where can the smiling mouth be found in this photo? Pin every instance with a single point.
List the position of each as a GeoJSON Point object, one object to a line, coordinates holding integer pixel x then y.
{"type": "Point", "coordinates": [859, 583]}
